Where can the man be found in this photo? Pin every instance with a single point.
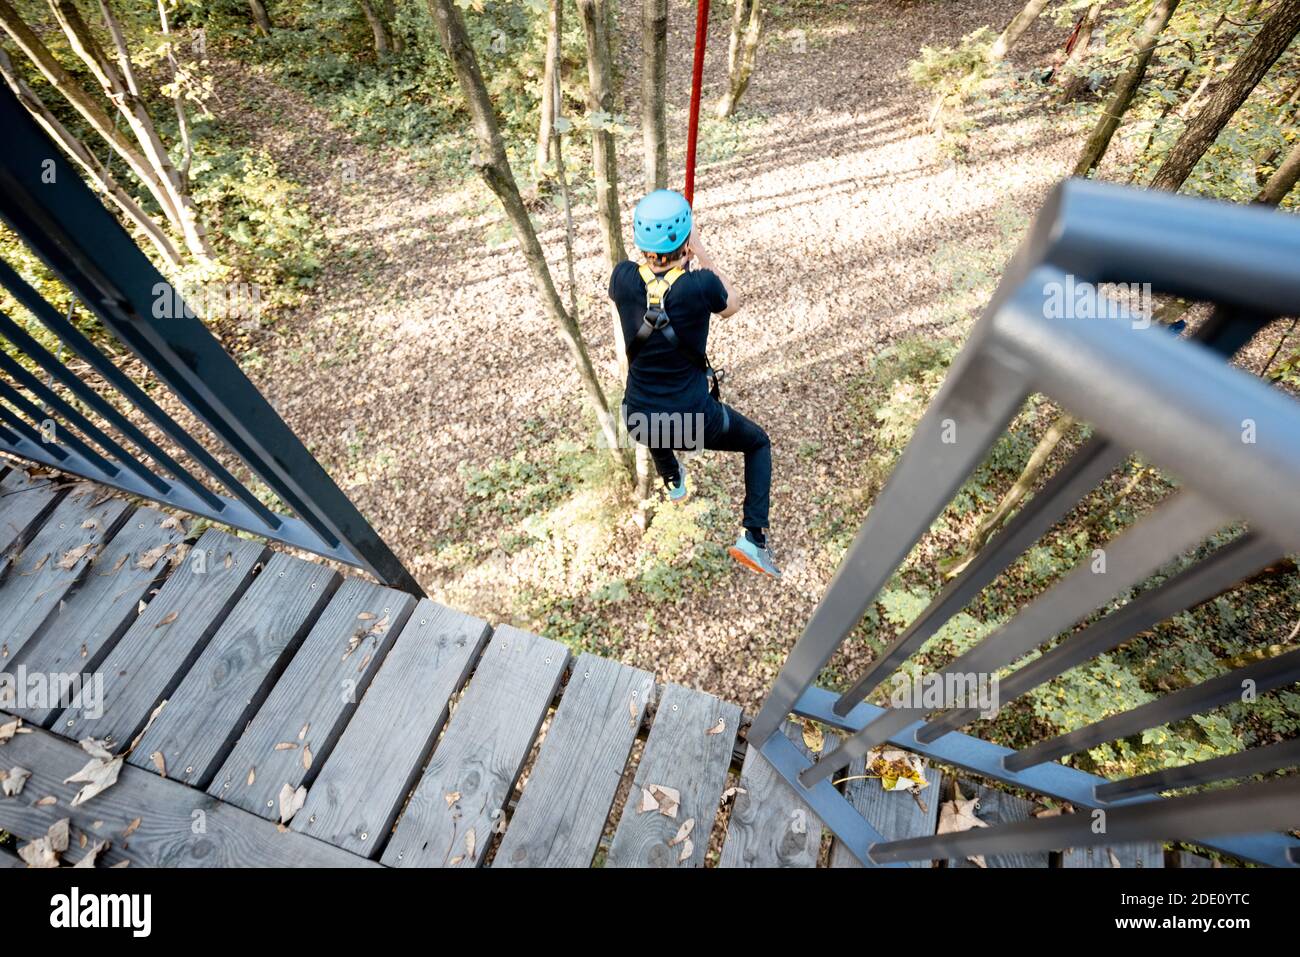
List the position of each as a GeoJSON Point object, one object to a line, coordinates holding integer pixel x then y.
{"type": "Point", "coordinates": [665, 303]}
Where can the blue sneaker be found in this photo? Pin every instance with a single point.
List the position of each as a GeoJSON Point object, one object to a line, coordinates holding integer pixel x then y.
{"type": "Point", "coordinates": [678, 492]}
{"type": "Point", "coordinates": [752, 556]}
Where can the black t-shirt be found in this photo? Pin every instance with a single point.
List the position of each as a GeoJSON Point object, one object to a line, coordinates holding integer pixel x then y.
{"type": "Point", "coordinates": [662, 379]}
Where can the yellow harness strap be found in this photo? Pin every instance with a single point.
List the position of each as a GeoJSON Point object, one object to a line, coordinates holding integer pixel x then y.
{"type": "Point", "coordinates": [656, 287]}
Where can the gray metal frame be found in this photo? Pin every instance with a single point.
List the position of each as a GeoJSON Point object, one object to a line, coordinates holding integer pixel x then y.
{"type": "Point", "coordinates": [60, 220]}
{"type": "Point", "coordinates": [1173, 400]}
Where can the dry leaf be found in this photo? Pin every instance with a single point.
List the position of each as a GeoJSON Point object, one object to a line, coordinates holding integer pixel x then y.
{"type": "Point", "coordinates": [48, 800]}
{"type": "Point", "coordinates": [959, 815]}
{"type": "Point", "coordinates": [96, 749]}
{"type": "Point", "coordinates": [74, 555]}
{"type": "Point", "coordinates": [663, 799]}
{"type": "Point", "coordinates": [366, 616]}
{"type": "Point", "coordinates": [812, 736]}
{"type": "Point", "coordinates": [88, 860]}
{"type": "Point", "coordinates": [306, 757]}
{"type": "Point", "coordinates": [97, 776]}
{"type": "Point", "coordinates": [168, 618]}
{"type": "Point", "coordinates": [286, 746]}
{"type": "Point", "coordinates": [40, 562]}
{"type": "Point", "coordinates": [469, 843]}
{"type": "Point", "coordinates": [159, 762]}
{"type": "Point", "coordinates": [719, 727]}
{"type": "Point", "coordinates": [683, 832]}
{"type": "Point", "coordinates": [732, 792]}
{"type": "Point", "coordinates": [90, 523]}
{"type": "Point", "coordinates": [291, 802]}
{"type": "Point", "coordinates": [150, 557]}
{"type": "Point", "coordinates": [631, 710]}
{"type": "Point", "coordinates": [131, 828]}
{"type": "Point", "coordinates": [14, 780]}
{"type": "Point", "coordinates": [172, 521]}
{"type": "Point", "coordinates": [45, 851]}
{"type": "Point", "coordinates": [10, 728]}
{"type": "Point", "coordinates": [120, 561]}
{"type": "Point", "coordinates": [451, 797]}
{"type": "Point", "coordinates": [303, 733]}
{"type": "Point", "coordinates": [252, 776]}
{"type": "Point", "coordinates": [688, 848]}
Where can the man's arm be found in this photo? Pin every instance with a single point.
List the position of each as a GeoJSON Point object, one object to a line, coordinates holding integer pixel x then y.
{"type": "Point", "coordinates": [706, 262]}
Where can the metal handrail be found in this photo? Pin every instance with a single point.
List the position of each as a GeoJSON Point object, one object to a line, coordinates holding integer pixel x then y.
{"type": "Point", "coordinates": [1183, 408]}
{"type": "Point", "coordinates": [45, 202]}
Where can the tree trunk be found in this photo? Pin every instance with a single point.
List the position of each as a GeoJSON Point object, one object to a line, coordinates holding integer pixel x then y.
{"type": "Point", "coordinates": [1273, 37]}
{"type": "Point", "coordinates": [742, 53]}
{"type": "Point", "coordinates": [550, 107]}
{"type": "Point", "coordinates": [178, 97]}
{"type": "Point", "coordinates": [96, 170]}
{"type": "Point", "coordinates": [383, 45]}
{"type": "Point", "coordinates": [600, 99]}
{"type": "Point", "coordinates": [1283, 179]}
{"type": "Point", "coordinates": [1126, 86]}
{"type": "Point", "coordinates": [654, 81]}
{"type": "Point", "coordinates": [1021, 22]}
{"type": "Point", "coordinates": [63, 81]}
{"type": "Point", "coordinates": [121, 88]}
{"type": "Point", "coordinates": [261, 20]}
{"type": "Point", "coordinates": [494, 167]}
{"type": "Point", "coordinates": [1071, 72]}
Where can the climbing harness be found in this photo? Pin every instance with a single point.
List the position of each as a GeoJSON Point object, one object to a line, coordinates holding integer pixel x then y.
{"type": "Point", "coordinates": [656, 320]}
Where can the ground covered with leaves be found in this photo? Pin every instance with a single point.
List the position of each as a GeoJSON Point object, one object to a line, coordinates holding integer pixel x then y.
{"type": "Point", "coordinates": [421, 370]}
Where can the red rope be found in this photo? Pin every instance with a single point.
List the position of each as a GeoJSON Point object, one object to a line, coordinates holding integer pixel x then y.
{"type": "Point", "coordinates": [697, 80]}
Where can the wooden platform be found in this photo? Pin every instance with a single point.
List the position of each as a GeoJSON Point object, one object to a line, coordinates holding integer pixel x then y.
{"type": "Point", "coordinates": [272, 712]}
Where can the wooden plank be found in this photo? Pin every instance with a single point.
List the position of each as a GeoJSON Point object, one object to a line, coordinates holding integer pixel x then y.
{"type": "Point", "coordinates": [683, 752]}
{"type": "Point", "coordinates": [8, 860]}
{"type": "Point", "coordinates": [897, 815]}
{"type": "Point", "coordinates": [152, 657]}
{"type": "Point", "coordinates": [571, 788]}
{"type": "Point", "coordinates": [103, 605]}
{"type": "Point", "coordinates": [998, 807]}
{"type": "Point", "coordinates": [36, 580]}
{"type": "Point", "coordinates": [468, 781]}
{"type": "Point", "coordinates": [1147, 854]}
{"type": "Point", "coordinates": [379, 756]}
{"type": "Point", "coordinates": [1188, 859]}
{"type": "Point", "coordinates": [178, 826]}
{"type": "Point", "coordinates": [218, 696]}
{"type": "Point", "coordinates": [771, 826]}
{"type": "Point", "coordinates": [314, 698]}
{"type": "Point", "coordinates": [24, 504]}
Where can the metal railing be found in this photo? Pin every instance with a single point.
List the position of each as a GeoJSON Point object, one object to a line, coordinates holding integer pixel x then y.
{"type": "Point", "coordinates": [86, 430]}
{"type": "Point", "coordinates": [1233, 444]}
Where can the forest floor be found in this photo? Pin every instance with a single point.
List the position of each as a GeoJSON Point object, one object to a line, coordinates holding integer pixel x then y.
{"type": "Point", "coordinates": [424, 375]}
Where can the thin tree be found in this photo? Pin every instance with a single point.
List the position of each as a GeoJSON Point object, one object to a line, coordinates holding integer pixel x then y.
{"type": "Point", "coordinates": [1016, 29]}
{"type": "Point", "coordinates": [90, 110]}
{"type": "Point", "coordinates": [378, 29]}
{"type": "Point", "coordinates": [1126, 86]}
{"type": "Point", "coordinates": [550, 107]}
{"type": "Point", "coordinates": [654, 82]}
{"type": "Point", "coordinates": [261, 19]}
{"type": "Point", "coordinates": [492, 164]}
{"type": "Point", "coordinates": [1283, 179]}
{"type": "Point", "coordinates": [1273, 37]}
{"type": "Point", "coordinates": [742, 52]}
{"type": "Point", "coordinates": [178, 97]}
{"type": "Point", "coordinates": [120, 86]}
{"type": "Point", "coordinates": [96, 170]}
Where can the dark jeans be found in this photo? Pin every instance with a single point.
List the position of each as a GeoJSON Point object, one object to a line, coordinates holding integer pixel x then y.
{"type": "Point", "coordinates": [726, 430]}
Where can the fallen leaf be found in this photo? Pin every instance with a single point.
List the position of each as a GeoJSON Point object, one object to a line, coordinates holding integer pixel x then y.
{"type": "Point", "coordinates": [14, 780]}
{"type": "Point", "coordinates": [131, 828]}
{"type": "Point", "coordinates": [74, 555]}
{"type": "Point", "coordinates": [306, 757]}
{"type": "Point", "coordinates": [168, 618]}
{"type": "Point", "coordinates": [10, 728]}
{"type": "Point", "coordinates": [663, 799]}
{"type": "Point", "coordinates": [286, 746]}
{"type": "Point", "coordinates": [719, 727]}
{"type": "Point", "coordinates": [303, 733]}
{"type": "Point", "coordinates": [97, 776]}
{"type": "Point", "coordinates": [291, 802]}
{"type": "Point", "coordinates": [813, 736]}
{"type": "Point", "coordinates": [683, 832]}
{"type": "Point", "coordinates": [252, 776]}
{"type": "Point", "coordinates": [90, 523]}
{"type": "Point", "coordinates": [96, 749]}
{"type": "Point", "coordinates": [959, 815]}
{"type": "Point", "coordinates": [48, 800]}
{"type": "Point", "coordinates": [732, 792]}
{"type": "Point", "coordinates": [469, 843]}
{"type": "Point", "coordinates": [688, 848]}
{"type": "Point", "coordinates": [159, 762]}
{"type": "Point", "coordinates": [366, 616]}
{"type": "Point", "coordinates": [117, 565]}
{"type": "Point", "coordinates": [451, 797]}
{"type": "Point", "coordinates": [88, 859]}
{"type": "Point", "coordinates": [172, 521]}
{"type": "Point", "coordinates": [40, 563]}
{"type": "Point", "coordinates": [45, 851]}
{"type": "Point", "coordinates": [149, 557]}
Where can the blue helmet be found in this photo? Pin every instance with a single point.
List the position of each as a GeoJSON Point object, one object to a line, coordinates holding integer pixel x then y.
{"type": "Point", "coordinates": [661, 222]}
